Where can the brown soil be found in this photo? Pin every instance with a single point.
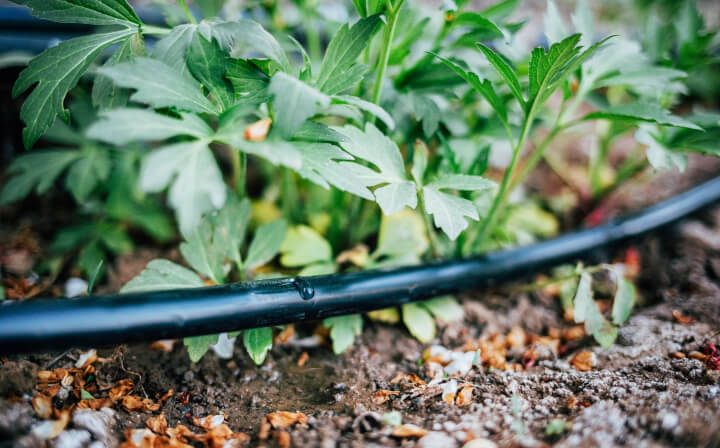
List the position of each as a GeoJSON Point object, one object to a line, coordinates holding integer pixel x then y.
{"type": "Point", "coordinates": [636, 395]}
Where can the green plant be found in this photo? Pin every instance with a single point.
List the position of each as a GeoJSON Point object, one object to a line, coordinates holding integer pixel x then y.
{"type": "Point", "coordinates": [380, 140]}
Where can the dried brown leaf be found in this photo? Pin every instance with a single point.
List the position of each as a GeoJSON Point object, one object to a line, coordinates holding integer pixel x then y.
{"type": "Point", "coordinates": [408, 430]}
{"type": "Point", "coordinates": [285, 419]}
{"type": "Point", "coordinates": [382, 395]}
{"type": "Point", "coordinates": [157, 424]}
{"type": "Point", "coordinates": [42, 405]}
{"type": "Point", "coordinates": [583, 361]}
{"type": "Point", "coordinates": [303, 359]}
{"type": "Point", "coordinates": [464, 397]}
{"type": "Point", "coordinates": [681, 318]}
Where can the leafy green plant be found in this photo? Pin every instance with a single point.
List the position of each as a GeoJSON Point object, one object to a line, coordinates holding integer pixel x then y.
{"type": "Point", "coordinates": [374, 151]}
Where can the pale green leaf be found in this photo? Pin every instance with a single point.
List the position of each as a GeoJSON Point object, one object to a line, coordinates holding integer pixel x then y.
{"type": "Point", "coordinates": [162, 275]}
{"type": "Point", "coordinates": [294, 102]}
{"type": "Point", "coordinates": [649, 76]}
{"type": "Point", "coordinates": [446, 309]}
{"type": "Point", "coordinates": [54, 72]}
{"type": "Point", "coordinates": [641, 111]}
{"type": "Point", "coordinates": [449, 211]}
{"type": "Point", "coordinates": [582, 20]}
{"type": "Point", "coordinates": [343, 330]}
{"type": "Point", "coordinates": [248, 80]}
{"type": "Point", "coordinates": [427, 112]}
{"type": "Point", "coordinates": [258, 342]}
{"type": "Point", "coordinates": [274, 150]}
{"type": "Point", "coordinates": [374, 147]}
{"type": "Point", "coordinates": [367, 106]}
{"type": "Point", "coordinates": [124, 125]}
{"type": "Point", "coordinates": [201, 255]}
{"type": "Point", "coordinates": [587, 311]}
{"type": "Point", "coordinates": [105, 94]}
{"type": "Point", "coordinates": [554, 25]}
{"type": "Point", "coordinates": [419, 322]}
{"type": "Point", "coordinates": [462, 182]}
{"type": "Point", "coordinates": [159, 85]}
{"type": "Point", "coordinates": [92, 168]}
{"type": "Point", "coordinates": [37, 171]}
{"type": "Point", "coordinates": [246, 33]}
{"type": "Point", "coordinates": [172, 48]}
{"type": "Point", "coordinates": [402, 233]}
{"type": "Point", "coordinates": [90, 12]}
{"type": "Point", "coordinates": [230, 224]}
{"type": "Point", "coordinates": [625, 297]}
{"type": "Point", "coordinates": [303, 246]}
{"type": "Point", "coordinates": [197, 346]}
{"type": "Point", "coordinates": [196, 184]}
{"type": "Point", "coordinates": [323, 268]}
{"type": "Point", "coordinates": [266, 243]}
{"type": "Point", "coordinates": [660, 157]}
{"type": "Point", "coordinates": [339, 70]}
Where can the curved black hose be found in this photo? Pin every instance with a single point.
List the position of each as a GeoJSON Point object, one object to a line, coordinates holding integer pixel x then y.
{"type": "Point", "coordinates": [95, 321]}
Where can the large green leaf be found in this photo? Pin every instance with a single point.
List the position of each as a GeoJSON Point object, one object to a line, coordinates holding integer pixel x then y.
{"type": "Point", "coordinates": [37, 170]}
{"type": "Point", "coordinates": [172, 48]}
{"type": "Point", "coordinates": [91, 12]}
{"type": "Point", "coordinates": [124, 125]}
{"type": "Point", "coordinates": [162, 275]}
{"type": "Point", "coordinates": [208, 63]}
{"type": "Point", "coordinates": [372, 146]}
{"type": "Point", "coordinates": [105, 94]}
{"type": "Point", "coordinates": [159, 85]}
{"type": "Point", "coordinates": [265, 244]}
{"type": "Point", "coordinates": [339, 70]}
{"type": "Point", "coordinates": [258, 342]}
{"type": "Point", "coordinates": [197, 346]}
{"type": "Point", "coordinates": [304, 246]}
{"type": "Point", "coordinates": [343, 330]}
{"type": "Point", "coordinates": [55, 71]}
{"type": "Point", "coordinates": [294, 102]}
{"type": "Point", "coordinates": [196, 184]}
{"type": "Point", "coordinates": [505, 71]}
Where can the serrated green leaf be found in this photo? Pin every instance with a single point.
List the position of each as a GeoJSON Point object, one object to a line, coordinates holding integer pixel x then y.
{"type": "Point", "coordinates": [303, 246]}
{"type": "Point", "coordinates": [445, 309]}
{"type": "Point", "coordinates": [105, 94]}
{"type": "Point", "coordinates": [427, 112]}
{"type": "Point", "coordinates": [419, 322]}
{"type": "Point", "coordinates": [660, 157]}
{"type": "Point", "coordinates": [90, 12]}
{"type": "Point", "coordinates": [92, 168]}
{"type": "Point", "coordinates": [343, 330]}
{"type": "Point", "coordinates": [462, 182]}
{"type": "Point", "coordinates": [196, 184]}
{"type": "Point", "coordinates": [159, 85]}
{"type": "Point", "coordinates": [505, 71]}
{"type": "Point", "coordinates": [266, 243]}
{"type": "Point", "coordinates": [625, 297]}
{"type": "Point", "coordinates": [339, 70]}
{"type": "Point", "coordinates": [248, 80]}
{"type": "Point", "coordinates": [162, 275]}
{"type": "Point", "coordinates": [367, 106]}
{"type": "Point", "coordinates": [230, 224]}
{"type": "Point", "coordinates": [56, 71]}
{"type": "Point", "coordinates": [197, 346]}
{"type": "Point", "coordinates": [483, 87]}
{"type": "Point", "coordinates": [37, 171]}
{"type": "Point", "coordinates": [258, 342]}
{"type": "Point", "coordinates": [172, 48]}
{"type": "Point", "coordinates": [319, 165]}
{"type": "Point", "coordinates": [124, 125]}
{"type": "Point", "coordinates": [208, 64]}
{"type": "Point", "coordinates": [294, 102]}
{"type": "Point", "coordinates": [313, 131]}
{"type": "Point", "coordinates": [201, 255]}
{"type": "Point", "coordinates": [250, 34]}
{"type": "Point", "coordinates": [641, 111]}
{"type": "Point", "coordinates": [374, 147]}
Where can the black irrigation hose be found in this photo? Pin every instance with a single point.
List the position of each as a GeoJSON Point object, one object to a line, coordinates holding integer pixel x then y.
{"type": "Point", "coordinates": [37, 325]}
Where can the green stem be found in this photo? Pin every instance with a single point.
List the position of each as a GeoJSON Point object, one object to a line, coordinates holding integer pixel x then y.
{"type": "Point", "coordinates": [157, 30]}
{"type": "Point", "coordinates": [386, 49]}
{"type": "Point", "coordinates": [239, 173]}
{"type": "Point", "coordinates": [434, 244]}
{"type": "Point", "coordinates": [185, 8]}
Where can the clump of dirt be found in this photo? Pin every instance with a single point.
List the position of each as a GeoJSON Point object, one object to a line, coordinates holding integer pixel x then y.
{"type": "Point", "coordinates": [17, 377]}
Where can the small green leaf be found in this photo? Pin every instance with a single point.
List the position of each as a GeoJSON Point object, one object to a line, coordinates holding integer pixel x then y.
{"type": "Point", "coordinates": [625, 297]}
{"type": "Point", "coordinates": [586, 310]}
{"type": "Point", "coordinates": [427, 112]}
{"type": "Point", "coordinates": [159, 85]}
{"type": "Point", "coordinates": [197, 346]}
{"type": "Point", "coordinates": [250, 34]}
{"type": "Point", "coordinates": [339, 70]}
{"type": "Point", "coordinates": [37, 171]}
{"type": "Point", "coordinates": [294, 102]}
{"type": "Point", "coordinates": [85, 395]}
{"type": "Point", "coordinates": [393, 418]}
{"type": "Point", "coordinates": [201, 255]}
{"type": "Point", "coordinates": [266, 243]}
{"type": "Point", "coordinates": [505, 71]}
{"type": "Point", "coordinates": [583, 300]}
{"type": "Point", "coordinates": [258, 342]}
{"type": "Point", "coordinates": [343, 330]}
{"type": "Point", "coordinates": [419, 322]}
{"type": "Point", "coordinates": [556, 426]}
{"type": "Point", "coordinates": [105, 94]}
{"type": "Point", "coordinates": [197, 184]}
{"type": "Point", "coordinates": [367, 106]}
{"type": "Point", "coordinates": [304, 246]}
{"type": "Point", "coordinates": [208, 63]}
{"type": "Point", "coordinates": [90, 12]}
{"type": "Point", "coordinates": [54, 72]}
{"type": "Point", "coordinates": [402, 233]}
{"type": "Point", "coordinates": [124, 125]}
{"type": "Point", "coordinates": [446, 309]}
{"type": "Point", "coordinates": [641, 111]}
{"type": "Point", "coordinates": [660, 157]}
{"type": "Point", "coordinates": [89, 170]}
{"type": "Point", "coordinates": [230, 224]}
{"type": "Point", "coordinates": [162, 275]}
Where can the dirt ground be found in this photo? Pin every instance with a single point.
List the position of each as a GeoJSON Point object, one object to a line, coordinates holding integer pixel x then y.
{"type": "Point", "coordinates": [639, 392]}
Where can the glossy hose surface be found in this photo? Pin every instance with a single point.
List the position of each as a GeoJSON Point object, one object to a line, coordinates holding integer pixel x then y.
{"type": "Point", "coordinates": [37, 325]}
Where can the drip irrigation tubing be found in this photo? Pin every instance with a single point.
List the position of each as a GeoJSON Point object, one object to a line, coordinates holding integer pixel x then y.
{"type": "Point", "coordinates": [61, 323]}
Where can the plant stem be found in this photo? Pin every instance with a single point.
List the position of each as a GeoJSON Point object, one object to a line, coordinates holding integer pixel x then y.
{"type": "Point", "coordinates": [386, 48]}
{"type": "Point", "coordinates": [434, 245]}
{"type": "Point", "coordinates": [157, 30]}
{"type": "Point", "coordinates": [189, 15]}
{"type": "Point", "coordinates": [239, 173]}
